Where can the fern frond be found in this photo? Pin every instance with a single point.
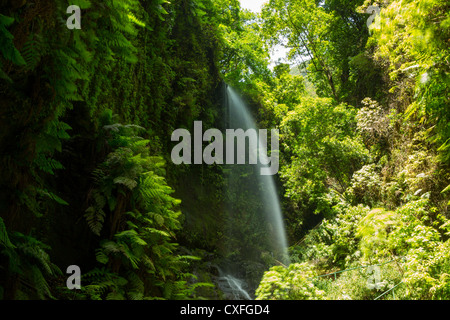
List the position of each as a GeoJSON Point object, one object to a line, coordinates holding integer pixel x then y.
{"type": "Point", "coordinates": [47, 164]}
{"type": "Point", "coordinates": [133, 236]}
{"type": "Point", "coordinates": [98, 175]}
{"type": "Point", "coordinates": [101, 257]}
{"type": "Point", "coordinates": [132, 225]}
{"type": "Point", "coordinates": [148, 263]}
{"type": "Point", "coordinates": [136, 287]}
{"type": "Point", "coordinates": [127, 182]}
{"type": "Point", "coordinates": [7, 47]}
{"type": "Point", "coordinates": [95, 219]}
{"type": "Point", "coordinates": [32, 51]}
{"type": "Point", "coordinates": [113, 127]}
{"type": "Point", "coordinates": [111, 247]}
{"type": "Point", "coordinates": [159, 232]}
{"type": "Point", "coordinates": [135, 20]}
{"type": "Point", "coordinates": [96, 275]}
{"type": "Point", "coordinates": [115, 295]}
{"type": "Point", "coordinates": [4, 238]}
{"type": "Point", "coordinates": [36, 255]}
{"type": "Point", "coordinates": [52, 196]}
{"type": "Point", "coordinates": [132, 258]}
{"type": "Point", "coordinates": [133, 295]}
{"type": "Point", "coordinates": [39, 283]}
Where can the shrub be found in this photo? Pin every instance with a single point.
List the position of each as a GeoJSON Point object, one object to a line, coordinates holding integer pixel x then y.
{"type": "Point", "coordinates": [292, 283]}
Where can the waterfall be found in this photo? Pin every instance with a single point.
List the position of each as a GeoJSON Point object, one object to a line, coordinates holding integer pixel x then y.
{"type": "Point", "coordinates": [255, 225]}
{"type": "Point", "coordinates": [232, 287]}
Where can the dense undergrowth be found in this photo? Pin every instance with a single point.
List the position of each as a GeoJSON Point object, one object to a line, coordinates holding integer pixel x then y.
{"type": "Point", "coordinates": [377, 174]}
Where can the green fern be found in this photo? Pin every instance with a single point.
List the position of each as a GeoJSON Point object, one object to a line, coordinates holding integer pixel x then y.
{"type": "Point", "coordinates": [28, 259]}
{"type": "Point", "coordinates": [95, 219]}
{"type": "Point", "coordinates": [4, 238]}
{"type": "Point", "coordinates": [39, 283]}
{"type": "Point", "coordinates": [127, 182]}
{"type": "Point", "coordinates": [102, 284]}
{"type": "Point", "coordinates": [32, 51]}
{"type": "Point", "coordinates": [33, 250]}
{"type": "Point", "coordinates": [47, 164]}
{"type": "Point", "coordinates": [135, 20]}
{"type": "Point", "coordinates": [101, 257]}
{"type": "Point", "coordinates": [51, 196]}
{"type": "Point", "coordinates": [131, 236]}
{"type": "Point", "coordinates": [7, 47]}
{"type": "Point", "coordinates": [123, 250]}
{"type": "Point", "coordinates": [136, 287]}
{"type": "Point", "coordinates": [115, 295]}
{"type": "Point", "coordinates": [49, 142]}
{"type": "Point", "coordinates": [144, 245]}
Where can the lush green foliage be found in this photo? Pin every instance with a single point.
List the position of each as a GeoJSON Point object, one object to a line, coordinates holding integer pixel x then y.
{"type": "Point", "coordinates": [149, 63]}
{"type": "Point", "coordinates": [86, 117]}
{"type": "Point", "coordinates": [293, 282]}
{"type": "Point", "coordinates": [322, 152]}
{"type": "Point", "coordinates": [406, 242]}
{"type": "Point", "coordinates": [374, 175]}
{"type": "Point", "coordinates": [419, 50]}
{"type": "Point", "coordinates": [138, 246]}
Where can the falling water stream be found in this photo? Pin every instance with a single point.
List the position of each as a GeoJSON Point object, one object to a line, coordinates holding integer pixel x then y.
{"type": "Point", "coordinates": [255, 219]}
{"type": "Point", "coordinates": [233, 288]}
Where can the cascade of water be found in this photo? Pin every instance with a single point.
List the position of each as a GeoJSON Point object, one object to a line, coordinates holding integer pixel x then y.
{"type": "Point", "coordinates": [232, 287]}
{"type": "Point", "coordinates": [235, 286]}
{"type": "Point", "coordinates": [262, 186]}
{"type": "Point", "coordinates": [255, 230]}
